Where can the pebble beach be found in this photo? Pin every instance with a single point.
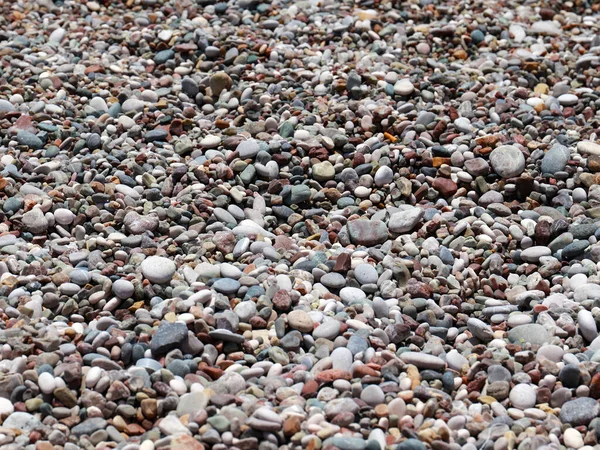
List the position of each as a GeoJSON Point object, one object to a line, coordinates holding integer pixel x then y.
{"type": "Point", "coordinates": [299, 225]}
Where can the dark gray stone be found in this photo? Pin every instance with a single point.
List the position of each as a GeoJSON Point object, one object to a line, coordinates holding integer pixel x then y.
{"type": "Point", "coordinates": [168, 337]}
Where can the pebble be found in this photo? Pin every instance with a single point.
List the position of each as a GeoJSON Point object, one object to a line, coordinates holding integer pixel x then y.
{"type": "Point", "coordinates": [405, 221]}
{"type": "Point", "coordinates": [365, 274]}
{"type": "Point", "coordinates": [404, 87]}
{"type": "Point", "coordinates": [523, 396]}
{"type": "Point", "coordinates": [579, 411]}
{"type": "Point", "coordinates": [507, 161]}
{"type": "Point", "coordinates": [327, 330]}
{"type": "Point", "coordinates": [555, 159]}
{"type": "Point", "coordinates": [158, 269]}
{"type": "Point", "coordinates": [573, 438]}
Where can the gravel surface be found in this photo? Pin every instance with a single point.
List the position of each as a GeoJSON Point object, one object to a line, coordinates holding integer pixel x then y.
{"type": "Point", "coordinates": [299, 225]}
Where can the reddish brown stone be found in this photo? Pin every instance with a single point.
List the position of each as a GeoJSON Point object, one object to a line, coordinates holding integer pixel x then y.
{"type": "Point", "coordinates": [94, 68]}
{"type": "Point", "coordinates": [594, 163]}
{"type": "Point", "coordinates": [342, 263]}
{"type": "Point", "coordinates": [214, 372]}
{"type": "Point", "coordinates": [543, 395]}
{"type": "Point", "coordinates": [438, 161]}
{"type": "Point", "coordinates": [184, 442]}
{"type": "Point", "coordinates": [23, 123]}
{"type": "Point", "coordinates": [595, 386]}
{"type": "Point", "coordinates": [186, 47]}
{"type": "Point", "coordinates": [364, 371]}
{"type": "Point", "coordinates": [292, 425]}
{"type": "Point", "coordinates": [310, 389]}
{"type": "Point", "coordinates": [487, 141]}
{"type": "Point", "coordinates": [547, 13]}
{"type": "Point", "coordinates": [419, 290]}
{"type": "Point", "coordinates": [135, 429]}
{"type": "Point", "coordinates": [225, 241]}
{"type": "Point", "coordinates": [343, 419]}
{"type": "Point", "coordinates": [445, 186]}
{"type": "Point", "coordinates": [327, 376]}
{"type": "Point", "coordinates": [282, 300]}
{"type": "Point", "coordinates": [258, 322]}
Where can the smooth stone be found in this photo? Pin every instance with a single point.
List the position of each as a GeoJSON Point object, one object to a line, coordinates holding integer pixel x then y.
{"type": "Point", "coordinates": [245, 310]}
{"type": "Point", "coordinates": [545, 27]}
{"type": "Point", "coordinates": [533, 254]}
{"type": "Point", "coordinates": [89, 426]}
{"type": "Point", "coordinates": [345, 443]}
{"type": "Point", "coordinates": [329, 329]}
{"type": "Point", "coordinates": [367, 232]}
{"type": "Point", "coordinates": [64, 216]}
{"type": "Point", "coordinates": [29, 139]}
{"type": "Point", "coordinates": [383, 176]}
{"type": "Point", "coordinates": [456, 361]}
{"type": "Point", "coordinates": [323, 171]}
{"type": "Point", "coordinates": [507, 161]}
{"type": "Point", "coordinates": [158, 269]}
{"type": "Point", "coordinates": [533, 333]}
{"type": "Point", "coordinates": [248, 149]}
{"type": "Point", "coordinates": [6, 407]}
{"type": "Point", "coordinates": [588, 291]}
{"type": "Point", "coordinates": [333, 280]}
{"type": "Point", "coordinates": [352, 294]}
{"type": "Point", "coordinates": [411, 444]}
{"type": "Point", "coordinates": [404, 87]}
{"type": "Point", "coordinates": [423, 360]}
{"type": "Point", "coordinates": [523, 396]}
{"type": "Point", "coordinates": [573, 438]}
{"type": "Point", "coordinates": [133, 105]}
{"type": "Point", "coordinates": [300, 320]}
{"type": "Point", "coordinates": [480, 329]}
{"type": "Point", "coordinates": [171, 425]}
{"type": "Point", "coordinates": [6, 106]}
{"type": "Point", "coordinates": [123, 288]}
{"type": "Point", "coordinates": [580, 411]}
{"type": "Point", "coordinates": [342, 359]}
{"type": "Point", "coordinates": [192, 402]}
{"type": "Point", "coordinates": [372, 395]}
{"type": "Point", "coordinates": [568, 99]}
{"type": "Point", "coordinates": [226, 285]}
{"type": "Point", "coordinates": [553, 353]}
{"type": "Point", "coordinates": [366, 274]}
{"type": "Point", "coordinates": [35, 221]}
{"type": "Point", "coordinates": [588, 148]}
{"type": "Point", "coordinates": [555, 159]}
{"type": "Point", "coordinates": [587, 325]}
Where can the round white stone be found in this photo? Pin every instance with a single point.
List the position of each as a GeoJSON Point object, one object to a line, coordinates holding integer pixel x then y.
{"type": "Point", "coordinates": [64, 216]}
{"type": "Point", "coordinates": [158, 269]}
{"type": "Point", "coordinates": [6, 407]}
{"type": "Point", "coordinates": [523, 396]}
{"type": "Point", "coordinates": [46, 383]}
{"type": "Point", "coordinates": [404, 87]}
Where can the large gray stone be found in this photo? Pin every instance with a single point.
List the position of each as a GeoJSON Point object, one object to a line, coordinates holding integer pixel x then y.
{"type": "Point", "coordinates": [404, 221]}
{"type": "Point", "coordinates": [367, 232]}
{"type": "Point", "coordinates": [532, 333]}
{"type": "Point", "coordinates": [580, 411]}
{"type": "Point", "coordinates": [507, 161]}
{"type": "Point", "coordinates": [555, 159]}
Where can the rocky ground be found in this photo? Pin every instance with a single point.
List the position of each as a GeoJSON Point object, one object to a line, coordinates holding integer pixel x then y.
{"type": "Point", "coordinates": [299, 225]}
